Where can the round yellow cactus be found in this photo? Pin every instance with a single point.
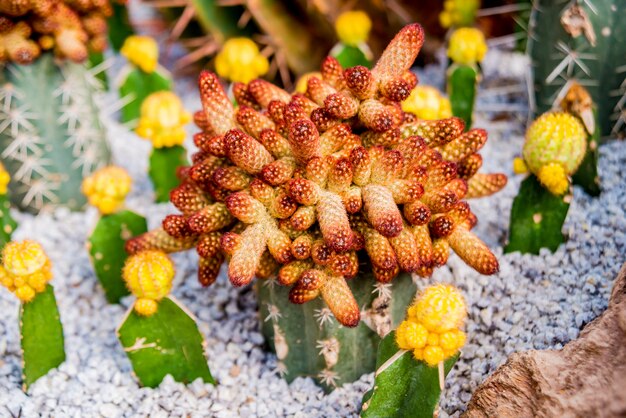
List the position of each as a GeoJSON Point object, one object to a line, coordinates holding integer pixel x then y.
{"type": "Point", "coordinates": [427, 103]}
{"type": "Point", "coordinates": [5, 178]}
{"type": "Point", "coordinates": [555, 139]}
{"type": "Point", "coordinates": [148, 275]}
{"type": "Point", "coordinates": [467, 46]}
{"type": "Point", "coordinates": [458, 13]}
{"type": "Point", "coordinates": [241, 61]}
{"type": "Point", "coordinates": [301, 84]}
{"type": "Point", "coordinates": [25, 269]}
{"type": "Point", "coordinates": [163, 119]}
{"type": "Point", "coordinates": [107, 188]}
{"type": "Point", "coordinates": [432, 328]}
{"type": "Point", "coordinates": [353, 27]}
{"type": "Point", "coordinates": [143, 51]}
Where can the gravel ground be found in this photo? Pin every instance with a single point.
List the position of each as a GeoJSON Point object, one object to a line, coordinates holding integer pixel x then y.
{"type": "Point", "coordinates": [534, 302]}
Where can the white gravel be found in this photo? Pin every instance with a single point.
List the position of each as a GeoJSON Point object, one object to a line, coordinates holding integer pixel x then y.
{"type": "Point", "coordinates": [534, 302]}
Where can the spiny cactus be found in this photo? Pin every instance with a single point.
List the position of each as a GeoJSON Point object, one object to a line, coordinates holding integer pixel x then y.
{"type": "Point", "coordinates": [70, 28]}
{"type": "Point", "coordinates": [296, 186]}
{"type": "Point", "coordinates": [51, 134]}
{"type": "Point", "coordinates": [7, 223]}
{"type": "Point", "coordinates": [26, 271]}
{"type": "Point", "coordinates": [580, 41]}
{"type": "Point", "coordinates": [159, 337]}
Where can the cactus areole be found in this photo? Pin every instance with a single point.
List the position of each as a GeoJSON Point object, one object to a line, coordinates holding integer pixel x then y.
{"type": "Point", "coordinates": [297, 188]}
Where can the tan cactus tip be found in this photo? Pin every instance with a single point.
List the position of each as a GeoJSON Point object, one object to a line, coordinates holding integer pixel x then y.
{"type": "Point", "coordinates": [301, 186]}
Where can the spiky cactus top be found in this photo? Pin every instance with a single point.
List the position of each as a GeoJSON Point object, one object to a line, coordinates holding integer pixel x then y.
{"type": "Point", "coordinates": [298, 184]}
{"type": "Point", "coordinates": [69, 27]}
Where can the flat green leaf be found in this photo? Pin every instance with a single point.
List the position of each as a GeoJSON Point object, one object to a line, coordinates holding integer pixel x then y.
{"type": "Point", "coordinates": [167, 342]}
{"type": "Point", "coordinates": [119, 26]}
{"type": "Point", "coordinates": [42, 336]}
{"type": "Point", "coordinates": [462, 81]}
{"type": "Point", "coordinates": [537, 218]}
{"type": "Point", "coordinates": [106, 248]}
{"type": "Point", "coordinates": [405, 388]}
{"type": "Point", "coordinates": [140, 85]}
{"type": "Point", "coordinates": [7, 223]}
{"type": "Point", "coordinates": [163, 165]}
{"type": "Point", "coordinates": [351, 56]}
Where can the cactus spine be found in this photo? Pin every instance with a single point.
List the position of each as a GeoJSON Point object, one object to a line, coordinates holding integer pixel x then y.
{"type": "Point", "coordinates": [308, 340]}
{"type": "Point", "coordinates": [580, 41]}
{"type": "Point", "coordinates": [51, 135]}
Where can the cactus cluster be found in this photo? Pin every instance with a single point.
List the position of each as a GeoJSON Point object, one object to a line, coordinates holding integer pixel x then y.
{"type": "Point", "coordinates": [295, 186]}
{"type": "Point", "coordinates": [70, 28]}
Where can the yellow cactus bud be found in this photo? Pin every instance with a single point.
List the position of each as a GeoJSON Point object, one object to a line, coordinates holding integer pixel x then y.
{"type": "Point", "coordinates": [241, 61]}
{"type": "Point", "coordinates": [25, 269]}
{"type": "Point", "coordinates": [353, 27]}
{"type": "Point", "coordinates": [467, 46]}
{"type": "Point", "coordinates": [433, 338]}
{"type": "Point", "coordinates": [458, 13]}
{"type": "Point", "coordinates": [555, 137]}
{"type": "Point", "coordinates": [148, 275]}
{"type": "Point", "coordinates": [107, 188]}
{"type": "Point", "coordinates": [146, 307]}
{"type": "Point", "coordinates": [411, 335]}
{"type": "Point", "coordinates": [433, 355]}
{"type": "Point", "coordinates": [553, 178]}
{"type": "Point", "coordinates": [428, 103]}
{"type": "Point", "coordinates": [441, 308]}
{"type": "Point", "coordinates": [143, 51]}
{"type": "Point", "coordinates": [163, 119]}
{"type": "Point", "coordinates": [519, 166]}
{"type": "Point", "coordinates": [5, 178]}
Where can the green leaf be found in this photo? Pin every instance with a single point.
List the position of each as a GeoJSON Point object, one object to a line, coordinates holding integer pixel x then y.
{"type": "Point", "coordinates": [140, 85]}
{"type": "Point", "coordinates": [351, 56]}
{"type": "Point", "coordinates": [406, 388]}
{"type": "Point", "coordinates": [42, 336]}
{"type": "Point", "coordinates": [462, 81]}
{"type": "Point", "coordinates": [119, 26]}
{"type": "Point", "coordinates": [537, 217]}
{"type": "Point", "coordinates": [163, 165]}
{"type": "Point", "coordinates": [167, 342]}
{"type": "Point", "coordinates": [587, 174]}
{"type": "Point", "coordinates": [106, 248]}
{"type": "Point", "coordinates": [7, 223]}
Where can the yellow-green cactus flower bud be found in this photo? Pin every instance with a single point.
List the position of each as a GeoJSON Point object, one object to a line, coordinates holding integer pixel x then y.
{"type": "Point", "coordinates": [148, 275]}
{"type": "Point", "coordinates": [353, 27]}
{"type": "Point", "coordinates": [142, 51]}
{"type": "Point", "coordinates": [241, 61]}
{"type": "Point", "coordinates": [427, 103]}
{"type": "Point", "coordinates": [25, 269]}
{"type": "Point", "coordinates": [467, 46]}
{"type": "Point", "coordinates": [163, 119]}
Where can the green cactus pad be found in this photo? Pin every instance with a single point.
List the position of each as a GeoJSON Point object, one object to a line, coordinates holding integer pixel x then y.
{"type": "Point", "coordinates": [167, 342]}
{"type": "Point", "coordinates": [139, 85]}
{"type": "Point", "coordinates": [601, 68]}
{"type": "Point", "coordinates": [95, 59]}
{"type": "Point", "coordinates": [298, 333]}
{"type": "Point", "coordinates": [7, 223]}
{"type": "Point", "coordinates": [351, 56]}
{"type": "Point", "coordinates": [55, 136]}
{"type": "Point", "coordinates": [42, 336]}
{"type": "Point", "coordinates": [537, 218]}
{"type": "Point", "coordinates": [221, 22]}
{"type": "Point", "coordinates": [587, 174]}
{"type": "Point", "coordinates": [106, 248]}
{"type": "Point", "coordinates": [462, 81]}
{"type": "Point", "coordinates": [119, 26]}
{"type": "Point", "coordinates": [163, 165]}
{"type": "Point", "coordinates": [406, 387]}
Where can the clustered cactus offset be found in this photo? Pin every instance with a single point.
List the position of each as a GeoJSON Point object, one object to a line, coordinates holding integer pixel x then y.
{"type": "Point", "coordinates": [70, 28]}
{"type": "Point", "coordinates": [296, 185]}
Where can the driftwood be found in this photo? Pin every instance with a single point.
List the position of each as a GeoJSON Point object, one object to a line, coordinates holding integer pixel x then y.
{"type": "Point", "coordinates": [587, 378]}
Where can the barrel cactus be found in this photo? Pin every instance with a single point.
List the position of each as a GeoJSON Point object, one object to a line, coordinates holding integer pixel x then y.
{"type": "Point", "coordinates": [330, 194]}
{"type": "Point", "coordinates": [51, 134]}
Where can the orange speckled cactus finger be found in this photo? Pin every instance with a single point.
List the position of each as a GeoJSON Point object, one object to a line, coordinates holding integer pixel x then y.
{"type": "Point", "coordinates": [310, 181]}
{"type": "Point", "coordinates": [148, 275]}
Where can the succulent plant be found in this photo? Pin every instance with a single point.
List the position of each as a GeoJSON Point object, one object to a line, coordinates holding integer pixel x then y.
{"type": "Point", "coordinates": [51, 134]}
{"type": "Point", "coordinates": [26, 271]}
{"type": "Point", "coordinates": [7, 223]}
{"type": "Point", "coordinates": [297, 186]}
{"type": "Point", "coordinates": [159, 337]}
{"type": "Point", "coordinates": [581, 42]}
